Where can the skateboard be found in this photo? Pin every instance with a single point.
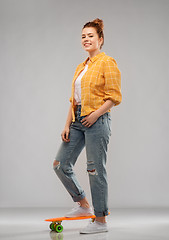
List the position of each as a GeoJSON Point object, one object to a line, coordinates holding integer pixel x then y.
{"type": "Point", "coordinates": [56, 223]}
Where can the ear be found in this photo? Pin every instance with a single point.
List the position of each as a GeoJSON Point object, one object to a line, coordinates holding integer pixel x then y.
{"type": "Point", "coordinates": [101, 41]}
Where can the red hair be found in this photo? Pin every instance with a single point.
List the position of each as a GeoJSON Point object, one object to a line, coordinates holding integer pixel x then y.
{"type": "Point", "coordinates": [99, 26]}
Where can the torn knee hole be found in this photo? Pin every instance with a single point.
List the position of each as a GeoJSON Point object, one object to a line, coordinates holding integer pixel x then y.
{"type": "Point", "coordinates": [92, 172]}
{"type": "Point", "coordinates": [56, 164]}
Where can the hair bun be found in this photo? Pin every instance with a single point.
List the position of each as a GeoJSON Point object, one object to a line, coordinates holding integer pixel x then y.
{"type": "Point", "coordinates": [99, 22]}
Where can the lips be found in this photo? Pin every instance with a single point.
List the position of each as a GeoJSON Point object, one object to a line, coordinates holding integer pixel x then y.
{"type": "Point", "coordinates": [87, 44]}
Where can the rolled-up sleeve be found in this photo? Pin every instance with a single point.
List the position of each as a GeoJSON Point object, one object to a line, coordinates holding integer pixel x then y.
{"type": "Point", "coordinates": [112, 75]}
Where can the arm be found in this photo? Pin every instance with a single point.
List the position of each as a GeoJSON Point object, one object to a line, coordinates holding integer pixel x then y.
{"type": "Point", "coordinates": [104, 108]}
{"type": "Point", "coordinates": [89, 120]}
{"type": "Point", "coordinates": [112, 75]}
{"type": "Point", "coordinates": [66, 130]}
{"type": "Point", "coordinates": [112, 90]}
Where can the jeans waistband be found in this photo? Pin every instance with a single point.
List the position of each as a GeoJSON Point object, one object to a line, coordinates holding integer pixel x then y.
{"type": "Point", "coordinates": [78, 114]}
{"type": "Point", "coordinates": [78, 108]}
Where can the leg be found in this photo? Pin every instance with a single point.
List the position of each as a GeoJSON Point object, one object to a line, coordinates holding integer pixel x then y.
{"type": "Point", "coordinates": [65, 160]}
{"type": "Point", "coordinates": [83, 202]}
{"type": "Point", "coordinates": [97, 139]}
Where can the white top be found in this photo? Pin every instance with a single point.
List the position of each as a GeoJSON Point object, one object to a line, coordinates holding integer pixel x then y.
{"type": "Point", "coordinates": [77, 94]}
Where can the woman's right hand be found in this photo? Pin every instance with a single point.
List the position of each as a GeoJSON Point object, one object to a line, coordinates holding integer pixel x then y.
{"type": "Point", "coordinates": [65, 134]}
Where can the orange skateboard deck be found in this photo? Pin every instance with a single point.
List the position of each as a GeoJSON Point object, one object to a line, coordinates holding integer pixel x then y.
{"type": "Point", "coordinates": [56, 222]}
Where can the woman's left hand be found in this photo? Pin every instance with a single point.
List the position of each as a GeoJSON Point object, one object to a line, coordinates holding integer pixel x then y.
{"type": "Point", "coordinates": [90, 119]}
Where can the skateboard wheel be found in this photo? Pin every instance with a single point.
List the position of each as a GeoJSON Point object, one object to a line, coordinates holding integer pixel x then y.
{"type": "Point", "coordinates": [52, 226]}
{"type": "Point", "coordinates": [58, 228]}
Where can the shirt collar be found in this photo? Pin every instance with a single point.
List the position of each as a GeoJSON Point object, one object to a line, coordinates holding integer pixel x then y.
{"type": "Point", "coordinates": [93, 59]}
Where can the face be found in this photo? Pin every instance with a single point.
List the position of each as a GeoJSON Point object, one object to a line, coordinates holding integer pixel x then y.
{"type": "Point", "coordinates": [90, 39]}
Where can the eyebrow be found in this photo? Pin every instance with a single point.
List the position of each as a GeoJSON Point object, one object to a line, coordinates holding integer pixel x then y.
{"type": "Point", "coordinates": [87, 34]}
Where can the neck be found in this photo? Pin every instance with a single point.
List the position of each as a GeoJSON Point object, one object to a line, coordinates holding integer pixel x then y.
{"type": "Point", "coordinates": [94, 53]}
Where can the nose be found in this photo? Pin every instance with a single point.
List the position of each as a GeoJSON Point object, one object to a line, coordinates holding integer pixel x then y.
{"type": "Point", "coordinates": [86, 38]}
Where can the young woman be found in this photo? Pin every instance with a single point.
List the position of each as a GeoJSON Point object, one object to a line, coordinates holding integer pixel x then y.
{"type": "Point", "coordinates": [96, 88]}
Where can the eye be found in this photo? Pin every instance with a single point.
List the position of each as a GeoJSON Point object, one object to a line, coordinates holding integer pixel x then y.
{"type": "Point", "coordinates": [91, 36]}
{"type": "Point", "coordinates": [83, 37]}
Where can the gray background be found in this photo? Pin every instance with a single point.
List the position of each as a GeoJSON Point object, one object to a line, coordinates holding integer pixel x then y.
{"type": "Point", "coordinates": [39, 51]}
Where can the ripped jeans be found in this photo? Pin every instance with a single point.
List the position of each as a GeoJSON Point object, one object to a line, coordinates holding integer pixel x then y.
{"type": "Point", "coordinates": [95, 139]}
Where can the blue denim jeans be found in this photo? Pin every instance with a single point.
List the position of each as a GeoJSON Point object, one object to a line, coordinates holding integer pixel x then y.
{"type": "Point", "coordinates": [95, 139]}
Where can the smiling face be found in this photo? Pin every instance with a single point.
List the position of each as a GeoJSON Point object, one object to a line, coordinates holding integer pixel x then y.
{"type": "Point", "coordinates": [90, 40]}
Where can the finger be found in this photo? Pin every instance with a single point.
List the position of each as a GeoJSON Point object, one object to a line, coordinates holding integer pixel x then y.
{"type": "Point", "coordinates": [83, 120]}
{"type": "Point", "coordinates": [84, 123]}
{"type": "Point", "coordinates": [67, 135]}
{"type": "Point", "coordinates": [63, 137]}
{"type": "Point", "coordinates": [87, 124]}
{"type": "Point", "coordinates": [65, 140]}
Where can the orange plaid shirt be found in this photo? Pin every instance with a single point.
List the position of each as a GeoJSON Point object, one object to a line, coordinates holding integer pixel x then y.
{"type": "Point", "coordinates": [101, 82]}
